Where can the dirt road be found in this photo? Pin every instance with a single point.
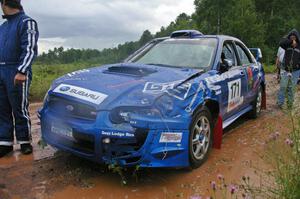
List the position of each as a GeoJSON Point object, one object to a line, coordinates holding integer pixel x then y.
{"type": "Point", "coordinates": [50, 174]}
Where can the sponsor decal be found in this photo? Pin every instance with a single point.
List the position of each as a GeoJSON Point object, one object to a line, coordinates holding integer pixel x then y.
{"type": "Point", "coordinates": [217, 78]}
{"type": "Point", "coordinates": [250, 78]}
{"type": "Point", "coordinates": [117, 134]}
{"type": "Point", "coordinates": [179, 92]}
{"type": "Point", "coordinates": [234, 96]}
{"type": "Point", "coordinates": [65, 88]}
{"type": "Point", "coordinates": [81, 93]}
{"type": "Point", "coordinates": [170, 137]}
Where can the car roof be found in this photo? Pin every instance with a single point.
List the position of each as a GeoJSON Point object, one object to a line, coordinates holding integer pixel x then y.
{"type": "Point", "coordinates": [220, 37]}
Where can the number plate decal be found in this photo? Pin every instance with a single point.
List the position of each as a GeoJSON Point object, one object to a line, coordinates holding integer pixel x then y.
{"type": "Point", "coordinates": [62, 130]}
{"type": "Point", "coordinates": [234, 96]}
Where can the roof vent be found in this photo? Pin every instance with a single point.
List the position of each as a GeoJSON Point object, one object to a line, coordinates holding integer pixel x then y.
{"type": "Point", "coordinates": [186, 34]}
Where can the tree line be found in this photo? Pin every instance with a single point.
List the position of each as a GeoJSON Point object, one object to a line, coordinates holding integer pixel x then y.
{"type": "Point", "coordinates": [258, 23]}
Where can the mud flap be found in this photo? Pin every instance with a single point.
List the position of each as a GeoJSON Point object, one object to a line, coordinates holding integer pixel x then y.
{"type": "Point", "coordinates": [218, 133]}
{"type": "Point", "coordinates": [264, 100]}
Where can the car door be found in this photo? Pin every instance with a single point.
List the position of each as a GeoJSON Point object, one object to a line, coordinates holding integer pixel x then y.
{"type": "Point", "coordinates": [235, 83]}
{"type": "Point", "coordinates": [251, 71]}
{"type": "Point", "coordinates": [230, 81]}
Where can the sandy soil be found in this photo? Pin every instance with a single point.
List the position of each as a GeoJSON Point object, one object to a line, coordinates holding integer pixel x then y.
{"type": "Point", "coordinates": [51, 174]}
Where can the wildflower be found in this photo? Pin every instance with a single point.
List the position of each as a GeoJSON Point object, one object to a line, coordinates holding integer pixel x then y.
{"type": "Point", "coordinates": [213, 185]}
{"type": "Point", "coordinates": [220, 177]}
{"type": "Point", "coordinates": [246, 196]}
{"type": "Point", "coordinates": [195, 197]}
{"type": "Point", "coordinates": [289, 142]}
{"type": "Point", "coordinates": [233, 189]}
{"type": "Point", "coordinates": [275, 136]}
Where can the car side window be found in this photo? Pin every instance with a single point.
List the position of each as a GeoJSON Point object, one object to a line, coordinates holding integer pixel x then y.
{"type": "Point", "coordinates": [244, 58]}
{"type": "Point", "coordinates": [228, 53]}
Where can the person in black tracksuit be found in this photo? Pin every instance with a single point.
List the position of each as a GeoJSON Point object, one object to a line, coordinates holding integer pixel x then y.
{"type": "Point", "coordinates": [18, 48]}
{"type": "Point", "coordinates": [291, 68]}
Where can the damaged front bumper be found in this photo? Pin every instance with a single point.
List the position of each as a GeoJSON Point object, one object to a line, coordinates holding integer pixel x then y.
{"type": "Point", "coordinates": [144, 141]}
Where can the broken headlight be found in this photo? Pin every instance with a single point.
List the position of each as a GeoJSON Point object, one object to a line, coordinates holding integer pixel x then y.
{"type": "Point", "coordinates": [165, 104]}
{"type": "Point", "coordinates": [122, 114]}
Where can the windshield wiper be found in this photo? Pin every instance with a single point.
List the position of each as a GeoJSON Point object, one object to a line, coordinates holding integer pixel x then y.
{"type": "Point", "coordinates": [164, 65]}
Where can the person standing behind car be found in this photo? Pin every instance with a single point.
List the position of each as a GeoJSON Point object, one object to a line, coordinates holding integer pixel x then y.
{"type": "Point", "coordinates": [18, 48]}
{"type": "Point", "coordinates": [291, 71]}
{"type": "Point", "coordinates": [279, 61]}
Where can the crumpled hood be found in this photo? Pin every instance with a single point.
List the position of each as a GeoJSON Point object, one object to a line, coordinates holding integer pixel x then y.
{"type": "Point", "coordinates": [125, 84]}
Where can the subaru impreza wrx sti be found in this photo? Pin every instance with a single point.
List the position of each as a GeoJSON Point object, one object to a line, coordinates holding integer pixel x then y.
{"type": "Point", "coordinates": [164, 106]}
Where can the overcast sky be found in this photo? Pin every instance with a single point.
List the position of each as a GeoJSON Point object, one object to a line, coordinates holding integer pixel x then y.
{"type": "Point", "coordinates": [100, 23]}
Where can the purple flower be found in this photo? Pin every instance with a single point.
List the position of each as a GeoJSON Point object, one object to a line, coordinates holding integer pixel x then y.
{"type": "Point", "coordinates": [220, 177]}
{"type": "Point", "coordinates": [275, 136]}
{"type": "Point", "coordinates": [233, 189]}
{"type": "Point", "coordinates": [246, 196]}
{"type": "Point", "coordinates": [195, 197]}
{"type": "Point", "coordinates": [213, 185]}
{"type": "Point", "coordinates": [289, 142]}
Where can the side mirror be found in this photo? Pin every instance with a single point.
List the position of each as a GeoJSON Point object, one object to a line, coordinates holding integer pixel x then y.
{"type": "Point", "coordinates": [256, 52]}
{"type": "Point", "coordinates": [226, 65]}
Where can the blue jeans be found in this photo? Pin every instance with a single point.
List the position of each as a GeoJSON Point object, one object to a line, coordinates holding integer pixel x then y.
{"type": "Point", "coordinates": [287, 87]}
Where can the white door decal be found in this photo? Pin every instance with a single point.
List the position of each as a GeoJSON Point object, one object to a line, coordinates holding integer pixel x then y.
{"type": "Point", "coordinates": [234, 96]}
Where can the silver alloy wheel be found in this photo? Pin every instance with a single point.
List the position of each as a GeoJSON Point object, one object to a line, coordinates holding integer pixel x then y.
{"type": "Point", "coordinates": [201, 137]}
{"type": "Point", "coordinates": [258, 102]}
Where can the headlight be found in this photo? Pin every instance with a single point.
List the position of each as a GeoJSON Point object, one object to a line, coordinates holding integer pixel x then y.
{"type": "Point", "coordinates": [122, 114]}
{"type": "Point", "coordinates": [165, 104]}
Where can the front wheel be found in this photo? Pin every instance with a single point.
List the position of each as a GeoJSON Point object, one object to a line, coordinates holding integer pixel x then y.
{"type": "Point", "coordinates": [257, 104]}
{"type": "Point", "coordinates": [200, 139]}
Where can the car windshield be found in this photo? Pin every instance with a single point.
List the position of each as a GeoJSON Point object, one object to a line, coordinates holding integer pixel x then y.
{"type": "Point", "coordinates": [193, 53]}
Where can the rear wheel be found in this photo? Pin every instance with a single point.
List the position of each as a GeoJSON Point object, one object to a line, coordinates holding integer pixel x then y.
{"type": "Point", "coordinates": [200, 139]}
{"type": "Point", "coordinates": [257, 105]}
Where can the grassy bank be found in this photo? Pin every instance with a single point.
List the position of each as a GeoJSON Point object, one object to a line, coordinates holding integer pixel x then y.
{"type": "Point", "coordinates": [43, 75]}
{"type": "Point", "coordinates": [269, 68]}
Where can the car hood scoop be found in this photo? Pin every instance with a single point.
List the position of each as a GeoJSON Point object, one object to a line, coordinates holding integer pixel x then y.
{"type": "Point", "coordinates": [124, 84]}
{"type": "Point", "coordinates": [130, 70]}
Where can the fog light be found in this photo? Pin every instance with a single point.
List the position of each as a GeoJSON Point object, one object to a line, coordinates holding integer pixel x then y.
{"type": "Point", "coordinates": [106, 140]}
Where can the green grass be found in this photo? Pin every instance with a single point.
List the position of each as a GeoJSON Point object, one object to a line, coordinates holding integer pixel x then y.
{"type": "Point", "coordinates": [43, 75]}
{"type": "Point", "coordinates": [269, 68]}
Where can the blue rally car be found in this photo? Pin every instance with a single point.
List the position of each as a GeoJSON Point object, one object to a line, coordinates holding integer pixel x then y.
{"type": "Point", "coordinates": [164, 106]}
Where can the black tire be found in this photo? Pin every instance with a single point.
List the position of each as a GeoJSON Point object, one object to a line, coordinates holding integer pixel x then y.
{"type": "Point", "coordinates": [198, 139]}
{"type": "Point", "coordinates": [257, 105]}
